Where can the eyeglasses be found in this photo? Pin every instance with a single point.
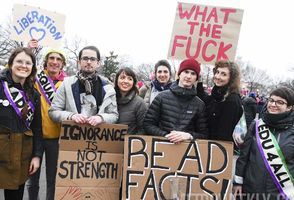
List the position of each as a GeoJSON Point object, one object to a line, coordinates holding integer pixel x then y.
{"type": "Point", "coordinates": [24, 62]}
{"type": "Point", "coordinates": [277, 102]}
{"type": "Point", "coordinates": [86, 59]}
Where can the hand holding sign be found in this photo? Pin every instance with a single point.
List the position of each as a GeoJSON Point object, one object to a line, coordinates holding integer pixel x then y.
{"type": "Point", "coordinates": [33, 44]}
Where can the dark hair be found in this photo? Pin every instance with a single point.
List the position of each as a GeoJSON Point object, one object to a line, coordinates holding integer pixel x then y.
{"type": "Point", "coordinates": [128, 71]}
{"type": "Point", "coordinates": [30, 80]}
{"type": "Point", "coordinates": [285, 93]}
{"type": "Point", "coordinates": [162, 63]}
{"type": "Point", "coordinates": [47, 57]}
{"type": "Point", "coordinates": [234, 82]}
{"type": "Point", "coordinates": [93, 48]}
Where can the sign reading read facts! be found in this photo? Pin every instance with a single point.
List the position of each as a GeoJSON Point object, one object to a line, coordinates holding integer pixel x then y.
{"type": "Point", "coordinates": [155, 168]}
{"type": "Point", "coordinates": [205, 33]}
{"type": "Point", "coordinates": [34, 23]}
{"type": "Point", "coordinates": [90, 161]}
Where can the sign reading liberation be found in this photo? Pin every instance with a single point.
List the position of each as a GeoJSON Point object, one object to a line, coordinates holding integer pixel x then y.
{"type": "Point", "coordinates": [35, 23]}
{"type": "Point", "coordinates": [205, 33]}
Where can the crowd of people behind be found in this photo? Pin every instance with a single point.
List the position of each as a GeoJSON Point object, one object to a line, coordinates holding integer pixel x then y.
{"type": "Point", "coordinates": [34, 103]}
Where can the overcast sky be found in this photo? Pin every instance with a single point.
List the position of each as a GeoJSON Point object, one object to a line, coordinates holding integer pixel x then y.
{"type": "Point", "coordinates": [142, 29]}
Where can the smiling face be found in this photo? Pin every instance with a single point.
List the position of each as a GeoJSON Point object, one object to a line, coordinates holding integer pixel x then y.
{"type": "Point", "coordinates": [89, 61]}
{"type": "Point", "coordinates": [187, 78]}
{"type": "Point", "coordinates": [54, 64]}
{"type": "Point", "coordinates": [221, 76]}
{"type": "Point", "coordinates": [277, 105]}
{"type": "Point", "coordinates": [125, 83]}
{"type": "Point", "coordinates": [162, 75]}
{"type": "Point", "coordinates": [21, 67]}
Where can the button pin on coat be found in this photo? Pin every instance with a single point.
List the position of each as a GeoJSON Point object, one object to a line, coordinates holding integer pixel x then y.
{"type": "Point", "coordinates": [4, 102]}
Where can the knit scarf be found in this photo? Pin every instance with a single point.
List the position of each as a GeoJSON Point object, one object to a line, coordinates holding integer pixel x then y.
{"type": "Point", "coordinates": [218, 93]}
{"type": "Point", "coordinates": [87, 80]}
{"type": "Point", "coordinates": [159, 87]}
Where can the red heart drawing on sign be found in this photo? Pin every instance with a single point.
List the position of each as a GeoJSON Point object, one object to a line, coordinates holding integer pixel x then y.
{"type": "Point", "coordinates": [37, 34]}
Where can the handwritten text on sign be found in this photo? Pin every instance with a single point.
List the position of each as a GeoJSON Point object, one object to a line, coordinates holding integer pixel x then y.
{"type": "Point", "coordinates": [155, 168]}
{"type": "Point", "coordinates": [205, 33]}
{"type": "Point", "coordinates": [35, 23]}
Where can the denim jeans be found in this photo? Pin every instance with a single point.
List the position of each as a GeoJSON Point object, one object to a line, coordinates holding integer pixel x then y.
{"type": "Point", "coordinates": [51, 147]}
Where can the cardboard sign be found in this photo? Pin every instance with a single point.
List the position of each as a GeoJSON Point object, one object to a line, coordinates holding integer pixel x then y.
{"type": "Point", "coordinates": [35, 23]}
{"type": "Point", "coordinates": [155, 168]}
{"type": "Point", "coordinates": [90, 161]}
{"type": "Point", "coordinates": [205, 33]}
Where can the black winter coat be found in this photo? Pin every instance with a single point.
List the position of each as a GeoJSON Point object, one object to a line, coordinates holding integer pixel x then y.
{"type": "Point", "coordinates": [10, 120]}
{"type": "Point", "coordinates": [250, 165]}
{"type": "Point", "coordinates": [250, 109]}
{"type": "Point", "coordinates": [223, 116]}
{"type": "Point", "coordinates": [176, 109]}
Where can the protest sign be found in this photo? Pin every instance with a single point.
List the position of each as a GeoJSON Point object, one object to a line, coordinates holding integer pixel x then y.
{"type": "Point", "coordinates": [205, 33]}
{"type": "Point", "coordinates": [35, 23]}
{"type": "Point", "coordinates": [90, 161]}
{"type": "Point", "coordinates": [155, 168]}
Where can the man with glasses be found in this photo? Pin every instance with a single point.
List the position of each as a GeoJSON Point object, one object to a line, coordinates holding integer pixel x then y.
{"type": "Point", "coordinates": [85, 98]}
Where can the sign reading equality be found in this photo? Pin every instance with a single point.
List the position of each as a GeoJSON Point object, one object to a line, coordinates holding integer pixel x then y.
{"type": "Point", "coordinates": [35, 23]}
{"type": "Point", "coordinates": [155, 168]}
{"type": "Point", "coordinates": [205, 33]}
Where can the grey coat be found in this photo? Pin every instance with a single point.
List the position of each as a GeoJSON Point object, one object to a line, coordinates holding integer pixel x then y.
{"type": "Point", "coordinates": [63, 105]}
{"type": "Point", "coordinates": [131, 109]}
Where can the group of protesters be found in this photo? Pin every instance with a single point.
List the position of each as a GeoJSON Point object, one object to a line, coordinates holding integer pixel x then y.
{"type": "Point", "coordinates": [34, 103]}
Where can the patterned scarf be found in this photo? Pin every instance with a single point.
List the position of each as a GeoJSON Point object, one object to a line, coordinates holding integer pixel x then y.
{"type": "Point", "coordinates": [159, 87]}
{"type": "Point", "coordinates": [87, 80]}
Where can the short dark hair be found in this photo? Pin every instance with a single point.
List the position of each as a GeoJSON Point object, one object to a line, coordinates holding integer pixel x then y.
{"type": "Point", "coordinates": [285, 93]}
{"type": "Point", "coordinates": [128, 72]}
{"type": "Point", "coordinates": [93, 48]}
{"type": "Point", "coordinates": [162, 63]}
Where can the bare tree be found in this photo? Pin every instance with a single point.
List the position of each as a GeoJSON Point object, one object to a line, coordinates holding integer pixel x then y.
{"type": "Point", "coordinates": [7, 45]}
{"type": "Point", "coordinates": [72, 48]}
{"type": "Point", "coordinates": [257, 79]}
{"type": "Point", "coordinates": [206, 75]}
{"type": "Point", "coordinates": [144, 71]}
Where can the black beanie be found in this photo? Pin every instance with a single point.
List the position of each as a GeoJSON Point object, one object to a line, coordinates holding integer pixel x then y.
{"type": "Point", "coordinates": [285, 93]}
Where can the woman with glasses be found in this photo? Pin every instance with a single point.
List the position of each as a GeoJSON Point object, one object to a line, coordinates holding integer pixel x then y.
{"type": "Point", "coordinates": [20, 123]}
{"type": "Point", "coordinates": [265, 167]}
{"type": "Point", "coordinates": [224, 105]}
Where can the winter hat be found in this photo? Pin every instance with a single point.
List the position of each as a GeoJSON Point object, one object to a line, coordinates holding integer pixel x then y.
{"type": "Point", "coordinates": [190, 64]}
{"type": "Point", "coordinates": [252, 94]}
{"type": "Point", "coordinates": [58, 51]}
{"type": "Point", "coordinates": [285, 93]}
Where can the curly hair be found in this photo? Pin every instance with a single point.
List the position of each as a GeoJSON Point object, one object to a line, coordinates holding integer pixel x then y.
{"type": "Point", "coordinates": [235, 77]}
